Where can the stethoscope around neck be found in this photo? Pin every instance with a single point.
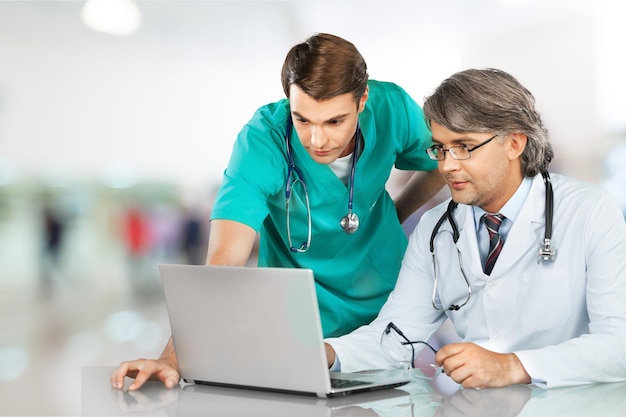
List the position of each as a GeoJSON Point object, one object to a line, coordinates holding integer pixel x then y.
{"type": "Point", "coordinates": [349, 223]}
{"type": "Point", "coordinates": [546, 251]}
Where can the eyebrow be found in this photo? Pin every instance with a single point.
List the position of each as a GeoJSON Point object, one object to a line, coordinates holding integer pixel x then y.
{"type": "Point", "coordinates": [458, 141]}
{"type": "Point", "coordinates": [338, 117]}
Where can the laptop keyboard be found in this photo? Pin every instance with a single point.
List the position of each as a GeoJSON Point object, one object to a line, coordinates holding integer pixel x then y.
{"type": "Point", "coordinates": [345, 383]}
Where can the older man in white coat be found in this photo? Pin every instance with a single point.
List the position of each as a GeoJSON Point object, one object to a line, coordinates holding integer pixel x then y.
{"type": "Point", "coordinates": [535, 284]}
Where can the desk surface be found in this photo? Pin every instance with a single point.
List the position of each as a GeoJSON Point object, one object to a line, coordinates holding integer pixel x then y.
{"type": "Point", "coordinates": [440, 397]}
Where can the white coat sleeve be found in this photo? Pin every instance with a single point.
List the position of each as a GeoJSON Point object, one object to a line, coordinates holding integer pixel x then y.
{"type": "Point", "coordinates": [409, 307]}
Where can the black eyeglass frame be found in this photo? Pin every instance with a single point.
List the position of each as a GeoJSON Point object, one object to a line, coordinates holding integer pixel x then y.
{"type": "Point", "coordinates": [395, 328]}
{"type": "Point", "coordinates": [452, 150]}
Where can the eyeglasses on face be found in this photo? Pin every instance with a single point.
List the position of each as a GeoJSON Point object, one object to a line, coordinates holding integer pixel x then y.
{"type": "Point", "coordinates": [459, 152]}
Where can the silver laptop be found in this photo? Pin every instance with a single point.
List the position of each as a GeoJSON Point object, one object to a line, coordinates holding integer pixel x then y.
{"type": "Point", "coordinates": [255, 328]}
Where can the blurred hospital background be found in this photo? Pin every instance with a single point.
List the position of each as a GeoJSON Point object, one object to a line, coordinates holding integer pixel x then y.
{"type": "Point", "coordinates": [117, 118]}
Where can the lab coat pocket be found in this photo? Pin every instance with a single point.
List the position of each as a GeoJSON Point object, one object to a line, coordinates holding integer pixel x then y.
{"type": "Point", "coordinates": [544, 299]}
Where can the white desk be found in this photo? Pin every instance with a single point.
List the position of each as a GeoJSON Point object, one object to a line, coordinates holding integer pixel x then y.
{"type": "Point", "coordinates": [439, 398]}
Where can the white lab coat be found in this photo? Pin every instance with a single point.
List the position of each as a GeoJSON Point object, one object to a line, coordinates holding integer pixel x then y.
{"type": "Point", "coordinates": [565, 320]}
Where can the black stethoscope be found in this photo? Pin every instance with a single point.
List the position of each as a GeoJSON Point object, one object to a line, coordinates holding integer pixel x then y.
{"type": "Point", "coordinates": [546, 252]}
{"type": "Point", "coordinates": [349, 223]}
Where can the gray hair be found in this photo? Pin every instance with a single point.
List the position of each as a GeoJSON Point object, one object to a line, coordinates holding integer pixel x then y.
{"type": "Point", "coordinates": [491, 100]}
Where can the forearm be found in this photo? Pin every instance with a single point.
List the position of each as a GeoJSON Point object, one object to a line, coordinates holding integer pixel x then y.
{"type": "Point", "coordinates": [230, 243]}
{"type": "Point", "coordinates": [570, 363]}
{"type": "Point", "coordinates": [420, 189]}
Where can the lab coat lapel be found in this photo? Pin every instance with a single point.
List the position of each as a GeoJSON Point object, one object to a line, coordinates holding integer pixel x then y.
{"type": "Point", "coordinates": [468, 242]}
{"type": "Point", "coordinates": [526, 230]}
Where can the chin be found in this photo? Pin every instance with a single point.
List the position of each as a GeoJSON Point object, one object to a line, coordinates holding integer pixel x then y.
{"type": "Point", "coordinates": [464, 198]}
{"type": "Point", "coordinates": [327, 159]}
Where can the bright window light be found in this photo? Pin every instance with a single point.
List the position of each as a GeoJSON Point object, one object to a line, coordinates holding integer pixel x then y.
{"type": "Point", "coordinates": [115, 17]}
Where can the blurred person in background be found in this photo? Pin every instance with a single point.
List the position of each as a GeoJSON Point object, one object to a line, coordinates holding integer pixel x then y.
{"type": "Point", "coordinates": [529, 267]}
{"type": "Point", "coordinates": [193, 234]}
{"type": "Point", "coordinates": [308, 174]}
{"type": "Point", "coordinates": [138, 240]}
{"type": "Point", "coordinates": [54, 228]}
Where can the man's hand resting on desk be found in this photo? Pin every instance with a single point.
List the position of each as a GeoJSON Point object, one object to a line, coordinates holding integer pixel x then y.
{"type": "Point", "coordinates": [164, 369]}
{"type": "Point", "coordinates": [145, 370]}
{"type": "Point", "coordinates": [475, 367]}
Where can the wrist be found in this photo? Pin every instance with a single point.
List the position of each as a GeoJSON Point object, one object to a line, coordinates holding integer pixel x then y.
{"type": "Point", "coordinates": [517, 371]}
{"type": "Point", "coordinates": [168, 356]}
{"type": "Point", "coordinates": [330, 355]}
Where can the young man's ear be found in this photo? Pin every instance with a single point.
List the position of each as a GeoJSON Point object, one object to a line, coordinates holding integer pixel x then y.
{"type": "Point", "coordinates": [363, 100]}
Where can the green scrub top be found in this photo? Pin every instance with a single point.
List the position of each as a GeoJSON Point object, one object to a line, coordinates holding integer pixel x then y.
{"type": "Point", "coordinates": [354, 273]}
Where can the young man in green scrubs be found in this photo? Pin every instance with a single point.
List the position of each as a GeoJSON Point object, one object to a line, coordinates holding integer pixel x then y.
{"type": "Point", "coordinates": [330, 147]}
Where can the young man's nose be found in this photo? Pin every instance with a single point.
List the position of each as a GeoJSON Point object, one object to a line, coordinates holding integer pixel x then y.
{"type": "Point", "coordinates": [318, 139]}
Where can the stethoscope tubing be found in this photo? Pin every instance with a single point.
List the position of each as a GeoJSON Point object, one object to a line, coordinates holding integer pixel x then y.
{"type": "Point", "coordinates": [546, 252]}
{"type": "Point", "coordinates": [350, 222]}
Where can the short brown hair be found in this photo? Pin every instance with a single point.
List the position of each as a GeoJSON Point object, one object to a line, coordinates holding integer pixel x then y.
{"type": "Point", "coordinates": [325, 66]}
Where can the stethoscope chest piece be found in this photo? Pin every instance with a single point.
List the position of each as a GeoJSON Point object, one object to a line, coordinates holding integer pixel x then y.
{"type": "Point", "coordinates": [350, 222]}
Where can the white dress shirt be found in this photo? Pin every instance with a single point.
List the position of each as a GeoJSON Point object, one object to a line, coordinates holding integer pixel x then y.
{"type": "Point", "coordinates": [565, 320]}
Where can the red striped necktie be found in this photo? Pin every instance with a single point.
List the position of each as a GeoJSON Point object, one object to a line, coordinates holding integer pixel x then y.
{"type": "Point", "coordinates": [493, 223]}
